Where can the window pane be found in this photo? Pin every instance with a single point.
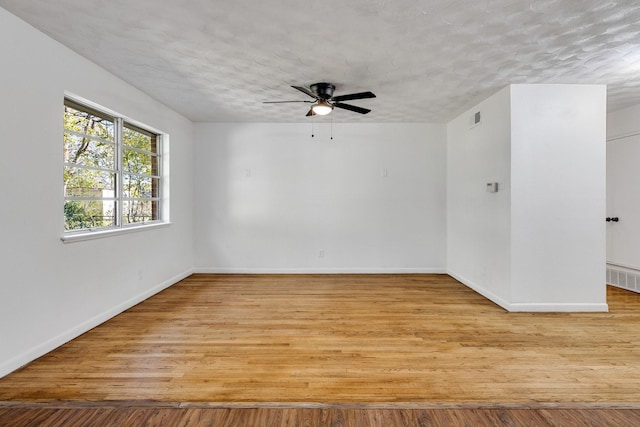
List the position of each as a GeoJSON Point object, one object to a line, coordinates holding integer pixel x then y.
{"type": "Point", "coordinates": [81, 182]}
{"type": "Point", "coordinates": [87, 152]}
{"type": "Point", "coordinates": [139, 211]}
{"type": "Point", "coordinates": [136, 162]}
{"type": "Point", "coordinates": [134, 186]}
{"type": "Point", "coordinates": [88, 124]}
{"type": "Point", "coordinates": [82, 214]}
{"type": "Point", "coordinates": [138, 139]}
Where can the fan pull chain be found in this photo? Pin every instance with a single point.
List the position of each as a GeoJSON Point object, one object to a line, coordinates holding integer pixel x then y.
{"type": "Point", "coordinates": [332, 127]}
{"type": "Point", "coordinates": [312, 135]}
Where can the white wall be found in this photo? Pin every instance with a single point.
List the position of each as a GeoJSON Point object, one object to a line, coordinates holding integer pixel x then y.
{"type": "Point", "coordinates": [49, 291]}
{"type": "Point", "coordinates": [623, 181]}
{"type": "Point", "coordinates": [558, 154]}
{"type": "Point", "coordinates": [478, 225]}
{"type": "Point", "coordinates": [539, 243]}
{"type": "Point", "coordinates": [270, 197]}
{"type": "Point", "coordinates": [623, 122]}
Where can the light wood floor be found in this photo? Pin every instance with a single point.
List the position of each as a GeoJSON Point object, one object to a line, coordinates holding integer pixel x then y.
{"type": "Point", "coordinates": [342, 338]}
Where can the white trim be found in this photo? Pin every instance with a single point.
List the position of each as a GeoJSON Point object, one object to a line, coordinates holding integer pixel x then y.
{"type": "Point", "coordinates": [102, 109]}
{"type": "Point", "coordinates": [622, 136]}
{"type": "Point", "coordinates": [311, 270]}
{"type": "Point", "coordinates": [98, 234]}
{"type": "Point", "coordinates": [533, 307]}
{"type": "Point", "coordinates": [140, 150]}
{"type": "Point", "coordinates": [623, 266]}
{"type": "Point", "coordinates": [55, 342]}
{"type": "Point", "coordinates": [87, 136]}
{"type": "Point", "coordinates": [482, 291]}
{"type": "Point", "coordinates": [559, 307]}
{"type": "Point", "coordinates": [91, 168]}
{"type": "Point", "coordinates": [119, 206]}
{"type": "Point", "coordinates": [163, 180]}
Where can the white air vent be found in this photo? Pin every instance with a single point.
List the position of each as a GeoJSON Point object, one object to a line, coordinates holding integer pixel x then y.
{"type": "Point", "coordinates": [475, 119]}
{"type": "Point", "coordinates": [623, 278]}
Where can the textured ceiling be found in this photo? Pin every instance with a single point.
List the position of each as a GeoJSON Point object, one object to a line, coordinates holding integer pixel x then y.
{"type": "Point", "coordinates": [426, 60]}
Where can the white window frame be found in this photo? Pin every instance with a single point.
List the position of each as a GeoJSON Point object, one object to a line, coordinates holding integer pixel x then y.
{"type": "Point", "coordinates": [120, 121]}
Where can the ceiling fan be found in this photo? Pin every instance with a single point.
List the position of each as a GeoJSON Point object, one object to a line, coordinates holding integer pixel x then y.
{"type": "Point", "coordinates": [325, 101]}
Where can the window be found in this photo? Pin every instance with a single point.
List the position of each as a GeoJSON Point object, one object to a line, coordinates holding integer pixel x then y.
{"type": "Point", "coordinates": [112, 171]}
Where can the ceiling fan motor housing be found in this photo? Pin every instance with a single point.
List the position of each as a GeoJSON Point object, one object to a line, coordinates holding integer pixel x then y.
{"type": "Point", "coordinates": [323, 90]}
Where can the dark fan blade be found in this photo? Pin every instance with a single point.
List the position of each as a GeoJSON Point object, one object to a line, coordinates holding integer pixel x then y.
{"type": "Point", "coordinates": [306, 91]}
{"type": "Point", "coordinates": [360, 95]}
{"type": "Point", "coordinates": [310, 113]}
{"type": "Point", "coordinates": [351, 108]}
{"type": "Point", "coordinates": [283, 102]}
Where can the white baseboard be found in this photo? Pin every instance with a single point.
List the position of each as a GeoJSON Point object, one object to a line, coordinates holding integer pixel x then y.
{"type": "Point", "coordinates": [558, 308]}
{"type": "Point", "coordinates": [55, 342]}
{"type": "Point", "coordinates": [236, 270]}
{"type": "Point", "coordinates": [482, 291]}
{"type": "Point", "coordinates": [533, 307]}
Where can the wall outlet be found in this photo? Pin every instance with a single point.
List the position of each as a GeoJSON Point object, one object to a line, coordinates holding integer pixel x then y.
{"type": "Point", "coordinates": [321, 253]}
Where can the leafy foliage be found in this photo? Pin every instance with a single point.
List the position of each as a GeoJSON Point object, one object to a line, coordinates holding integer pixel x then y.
{"type": "Point", "coordinates": [82, 214]}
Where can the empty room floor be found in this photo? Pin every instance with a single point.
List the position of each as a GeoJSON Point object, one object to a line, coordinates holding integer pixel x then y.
{"type": "Point", "coordinates": [341, 338]}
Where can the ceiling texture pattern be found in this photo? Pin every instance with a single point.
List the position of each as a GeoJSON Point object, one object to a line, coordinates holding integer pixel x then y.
{"type": "Point", "coordinates": [426, 60]}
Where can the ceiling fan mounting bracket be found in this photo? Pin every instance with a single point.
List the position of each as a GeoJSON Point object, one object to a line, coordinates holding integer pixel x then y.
{"type": "Point", "coordinates": [323, 90]}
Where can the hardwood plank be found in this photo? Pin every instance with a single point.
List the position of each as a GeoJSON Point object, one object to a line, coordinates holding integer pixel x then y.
{"type": "Point", "coordinates": [341, 338]}
{"type": "Point", "coordinates": [301, 417]}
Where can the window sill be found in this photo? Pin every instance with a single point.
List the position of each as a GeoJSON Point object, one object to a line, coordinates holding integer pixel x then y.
{"type": "Point", "coordinates": [91, 235]}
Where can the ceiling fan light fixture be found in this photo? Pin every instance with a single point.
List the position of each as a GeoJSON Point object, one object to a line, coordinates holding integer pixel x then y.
{"type": "Point", "coordinates": [322, 107]}
{"type": "Point", "coordinates": [324, 102]}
